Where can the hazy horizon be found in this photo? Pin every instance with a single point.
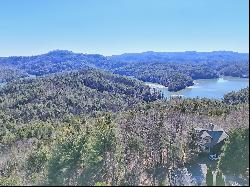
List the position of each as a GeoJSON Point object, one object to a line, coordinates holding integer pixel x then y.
{"type": "Point", "coordinates": [82, 52]}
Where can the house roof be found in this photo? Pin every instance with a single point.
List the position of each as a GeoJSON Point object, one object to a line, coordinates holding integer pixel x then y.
{"type": "Point", "coordinates": [205, 134]}
{"type": "Point", "coordinates": [217, 137]}
{"type": "Point", "coordinates": [216, 128]}
{"type": "Point", "coordinates": [216, 133]}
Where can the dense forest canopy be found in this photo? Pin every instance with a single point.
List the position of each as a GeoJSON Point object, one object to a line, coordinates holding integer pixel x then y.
{"type": "Point", "coordinates": [7, 74]}
{"type": "Point", "coordinates": [74, 93]}
{"type": "Point", "coordinates": [241, 96]}
{"type": "Point", "coordinates": [178, 70]}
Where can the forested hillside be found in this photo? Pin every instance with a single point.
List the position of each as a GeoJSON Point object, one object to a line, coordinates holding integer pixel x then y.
{"type": "Point", "coordinates": [178, 70]}
{"type": "Point", "coordinates": [172, 75]}
{"type": "Point", "coordinates": [241, 96]}
{"type": "Point", "coordinates": [181, 56]}
{"type": "Point", "coordinates": [87, 91]}
{"type": "Point", "coordinates": [52, 62]}
{"type": "Point", "coordinates": [174, 70]}
{"type": "Point", "coordinates": [7, 74]}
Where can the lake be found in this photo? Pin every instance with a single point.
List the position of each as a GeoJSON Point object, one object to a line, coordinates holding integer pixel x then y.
{"type": "Point", "coordinates": [209, 88]}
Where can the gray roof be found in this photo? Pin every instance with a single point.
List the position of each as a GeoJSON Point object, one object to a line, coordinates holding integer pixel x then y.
{"type": "Point", "coordinates": [205, 134]}
{"type": "Point", "coordinates": [216, 128]}
{"type": "Point", "coordinates": [216, 133]}
{"type": "Point", "coordinates": [217, 137]}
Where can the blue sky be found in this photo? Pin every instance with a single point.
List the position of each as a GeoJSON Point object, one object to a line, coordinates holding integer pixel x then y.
{"type": "Point", "coordinates": [108, 27]}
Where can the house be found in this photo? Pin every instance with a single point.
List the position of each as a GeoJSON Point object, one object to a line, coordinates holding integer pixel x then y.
{"type": "Point", "coordinates": [211, 138]}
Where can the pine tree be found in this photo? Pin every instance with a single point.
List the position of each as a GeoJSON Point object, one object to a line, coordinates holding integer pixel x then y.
{"type": "Point", "coordinates": [219, 179]}
{"type": "Point", "coordinates": [235, 158]}
{"type": "Point", "coordinates": [209, 177]}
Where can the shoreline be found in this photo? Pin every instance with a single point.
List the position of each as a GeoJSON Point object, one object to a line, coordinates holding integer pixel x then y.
{"type": "Point", "coordinates": [155, 85]}
{"type": "Point", "coordinates": [200, 89]}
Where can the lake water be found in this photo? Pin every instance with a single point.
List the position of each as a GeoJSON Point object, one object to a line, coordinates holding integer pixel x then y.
{"type": "Point", "coordinates": [209, 88]}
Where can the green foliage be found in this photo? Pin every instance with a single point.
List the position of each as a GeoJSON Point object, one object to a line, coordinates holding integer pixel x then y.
{"type": "Point", "coordinates": [39, 130]}
{"type": "Point", "coordinates": [103, 151]}
{"type": "Point", "coordinates": [66, 157]}
{"type": "Point", "coordinates": [37, 160]}
{"type": "Point", "coordinates": [209, 177]}
{"type": "Point", "coordinates": [201, 106]}
{"type": "Point", "coordinates": [235, 158]}
{"type": "Point", "coordinates": [238, 97]}
{"type": "Point", "coordinates": [8, 138]}
{"type": "Point", "coordinates": [81, 156]}
{"type": "Point", "coordinates": [163, 183]}
{"type": "Point", "coordinates": [219, 179]}
{"type": "Point", "coordinates": [100, 184]}
{"type": "Point", "coordinates": [11, 181]}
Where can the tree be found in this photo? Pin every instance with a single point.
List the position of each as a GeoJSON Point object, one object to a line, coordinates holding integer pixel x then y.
{"type": "Point", "coordinates": [101, 157]}
{"type": "Point", "coordinates": [235, 157]}
{"type": "Point", "coordinates": [219, 179]}
{"type": "Point", "coordinates": [67, 157]}
{"type": "Point", "coordinates": [209, 177]}
{"type": "Point", "coordinates": [193, 147]}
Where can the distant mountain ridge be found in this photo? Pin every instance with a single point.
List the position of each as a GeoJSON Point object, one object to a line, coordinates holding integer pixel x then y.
{"type": "Point", "coordinates": [187, 55]}
{"type": "Point", "coordinates": [70, 60]}
{"type": "Point", "coordinates": [51, 62]}
{"type": "Point", "coordinates": [175, 70]}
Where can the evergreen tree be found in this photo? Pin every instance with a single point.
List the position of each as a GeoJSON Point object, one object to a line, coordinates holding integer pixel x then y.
{"type": "Point", "coordinates": [219, 179]}
{"type": "Point", "coordinates": [209, 177]}
{"type": "Point", "coordinates": [235, 158]}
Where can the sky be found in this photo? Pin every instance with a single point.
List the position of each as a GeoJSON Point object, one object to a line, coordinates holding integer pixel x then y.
{"type": "Point", "coordinates": [108, 27]}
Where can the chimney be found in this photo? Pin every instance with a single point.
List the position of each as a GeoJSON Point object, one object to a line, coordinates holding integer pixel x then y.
{"type": "Point", "coordinates": [211, 126]}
